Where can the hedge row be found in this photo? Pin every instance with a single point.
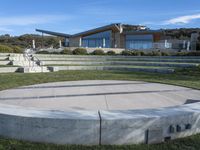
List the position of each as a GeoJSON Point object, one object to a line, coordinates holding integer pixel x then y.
{"type": "Point", "coordinates": [10, 49]}
{"type": "Point", "coordinates": [79, 51]}
{"type": "Point", "coordinates": [82, 51]}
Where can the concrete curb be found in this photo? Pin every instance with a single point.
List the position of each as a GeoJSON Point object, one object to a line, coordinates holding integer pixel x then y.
{"type": "Point", "coordinates": [102, 127]}
{"type": "Point", "coordinates": [158, 70]}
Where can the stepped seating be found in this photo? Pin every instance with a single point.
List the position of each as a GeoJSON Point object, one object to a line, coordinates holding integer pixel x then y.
{"type": "Point", "coordinates": [27, 65]}
{"type": "Point", "coordinates": [164, 64]}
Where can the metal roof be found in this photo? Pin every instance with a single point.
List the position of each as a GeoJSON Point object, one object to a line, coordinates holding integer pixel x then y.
{"type": "Point", "coordinates": [54, 33]}
{"type": "Point", "coordinates": [115, 27]}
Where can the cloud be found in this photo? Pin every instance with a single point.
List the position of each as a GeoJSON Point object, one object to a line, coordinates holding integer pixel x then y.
{"type": "Point", "coordinates": [182, 19]}
{"type": "Point", "coordinates": [31, 20]}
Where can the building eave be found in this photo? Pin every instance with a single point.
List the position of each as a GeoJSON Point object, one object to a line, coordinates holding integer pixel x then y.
{"type": "Point", "coordinates": [113, 27]}
{"type": "Point", "coordinates": [54, 33]}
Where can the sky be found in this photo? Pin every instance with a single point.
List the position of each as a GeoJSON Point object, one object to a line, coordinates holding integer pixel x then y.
{"type": "Point", "coordinates": [19, 17]}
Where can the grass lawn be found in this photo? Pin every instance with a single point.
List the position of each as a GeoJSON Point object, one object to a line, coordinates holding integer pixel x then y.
{"type": "Point", "coordinates": [186, 77]}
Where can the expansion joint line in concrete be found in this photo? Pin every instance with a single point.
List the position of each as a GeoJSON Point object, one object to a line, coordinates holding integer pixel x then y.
{"type": "Point", "coordinates": [100, 125]}
{"type": "Point", "coordinates": [106, 102]}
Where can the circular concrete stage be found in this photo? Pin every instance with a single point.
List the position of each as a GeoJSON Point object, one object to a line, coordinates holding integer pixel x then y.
{"type": "Point", "coordinates": [99, 95]}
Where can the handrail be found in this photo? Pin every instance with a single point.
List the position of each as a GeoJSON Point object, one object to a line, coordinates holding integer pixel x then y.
{"type": "Point", "coordinates": [33, 60]}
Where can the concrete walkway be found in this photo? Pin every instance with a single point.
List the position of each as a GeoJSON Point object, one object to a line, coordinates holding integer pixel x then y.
{"type": "Point", "coordinates": [99, 95]}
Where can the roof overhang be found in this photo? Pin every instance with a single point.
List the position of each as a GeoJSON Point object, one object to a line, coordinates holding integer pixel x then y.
{"type": "Point", "coordinates": [113, 27]}
{"type": "Point", "coordinates": [54, 33]}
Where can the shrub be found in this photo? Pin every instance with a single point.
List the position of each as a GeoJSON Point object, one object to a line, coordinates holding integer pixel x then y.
{"type": "Point", "coordinates": [5, 49]}
{"type": "Point", "coordinates": [57, 53]}
{"type": "Point", "coordinates": [181, 54]}
{"type": "Point", "coordinates": [142, 53]}
{"type": "Point", "coordinates": [111, 53]}
{"type": "Point", "coordinates": [197, 53]}
{"type": "Point", "coordinates": [98, 52]}
{"type": "Point", "coordinates": [136, 53]}
{"type": "Point", "coordinates": [42, 52]}
{"type": "Point", "coordinates": [17, 49]}
{"type": "Point", "coordinates": [66, 51]}
{"type": "Point", "coordinates": [80, 51]}
{"type": "Point", "coordinates": [154, 53]}
{"type": "Point", "coordinates": [126, 53]}
{"type": "Point", "coordinates": [165, 54]}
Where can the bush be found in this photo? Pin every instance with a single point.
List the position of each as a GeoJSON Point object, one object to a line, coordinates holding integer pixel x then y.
{"type": "Point", "coordinates": [111, 53]}
{"type": "Point", "coordinates": [42, 52]}
{"type": "Point", "coordinates": [98, 52]}
{"type": "Point", "coordinates": [17, 49]}
{"type": "Point", "coordinates": [165, 54]}
{"type": "Point", "coordinates": [142, 53]}
{"type": "Point", "coordinates": [5, 49]}
{"type": "Point", "coordinates": [197, 53]}
{"type": "Point", "coordinates": [56, 53]}
{"type": "Point", "coordinates": [126, 53]}
{"type": "Point", "coordinates": [136, 53]}
{"type": "Point", "coordinates": [66, 51]}
{"type": "Point", "coordinates": [154, 53]}
{"type": "Point", "coordinates": [80, 51]}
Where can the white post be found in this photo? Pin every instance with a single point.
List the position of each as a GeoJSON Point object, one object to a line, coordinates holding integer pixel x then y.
{"type": "Point", "coordinates": [184, 44]}
{"type": "Point", "coordinates": [188, 46]}
{"type": "Point", "coordinates": [33, 44]}
{"type": "Point", "coordinates": [104, 42]}
{"type": "Point", "coordinates": [80, 42]}
{"type": "Point", "coordinates": [166, 45]}
{"type": "Point", "coordinates": [60, 44]}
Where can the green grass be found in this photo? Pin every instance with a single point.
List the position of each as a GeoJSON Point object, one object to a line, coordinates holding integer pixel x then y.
{"type": "Point", "coordinates": [186, 77]}
{"type": "Point", "coordinates": [190, 143]}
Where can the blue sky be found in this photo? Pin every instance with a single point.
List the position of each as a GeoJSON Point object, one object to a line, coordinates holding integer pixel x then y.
{"type": "Point", "coordinates": [72, 16]}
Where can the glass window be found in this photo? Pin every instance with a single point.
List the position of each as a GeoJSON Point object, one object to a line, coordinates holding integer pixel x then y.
{"type": "Point", "coordinates": [139, 41]}
{"type": "Point", "coordinates": [99, 40]}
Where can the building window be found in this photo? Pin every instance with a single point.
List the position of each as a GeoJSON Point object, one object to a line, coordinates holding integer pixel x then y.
{"type": "Point", "coordinates": [139, 41]}
{"type": "Point", "coordinates": [99, 40]}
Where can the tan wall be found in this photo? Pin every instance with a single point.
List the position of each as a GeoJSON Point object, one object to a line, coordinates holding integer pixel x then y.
{"type": "Point", "coordinates": [118, 40]}
{"type": "Point", "coordinates": [156, 37]}
{"type": "Point", "coordinates": [122, 41]}
{"type": "Point", "coordinates": [74, 42]}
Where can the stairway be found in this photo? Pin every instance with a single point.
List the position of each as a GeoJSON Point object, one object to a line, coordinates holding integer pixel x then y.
{"type": "Point", "coordinates": [28, 63]}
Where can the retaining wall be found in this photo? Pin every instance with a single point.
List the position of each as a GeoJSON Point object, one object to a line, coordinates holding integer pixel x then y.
{"type": "Point", "coordinates": [103, 127]}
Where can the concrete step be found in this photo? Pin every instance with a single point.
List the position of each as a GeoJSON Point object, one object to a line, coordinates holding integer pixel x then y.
{"type": "Point", "coordinates": [8, 69]}
{"type": "Point", "coordinates": [4, 54]}
{"type": "Point", "coordinates": [3, 58]}
{"type": "Point", "coordinates": [38, 69]}
{"type": "Point", "coordinates": [52, 56]}
{"type": "Point", "coordinates": [119, 68]}
{"type": "Point", "coordinates": [18, 59]}
{"type": "Point", "coordinates": [123, 59]}
{"type": "Point", "coordinates": [5, 62]}
{"type": "Point", "coordinates": [132, 63]}
{"type": "Point", "coordinates": [24, 63]}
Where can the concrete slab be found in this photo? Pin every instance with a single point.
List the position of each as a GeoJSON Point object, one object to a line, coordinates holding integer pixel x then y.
{"type": "Point", "coordinates": [99, 95]}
